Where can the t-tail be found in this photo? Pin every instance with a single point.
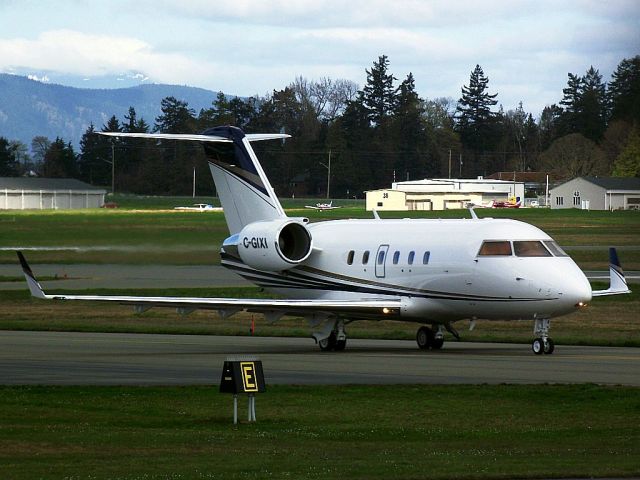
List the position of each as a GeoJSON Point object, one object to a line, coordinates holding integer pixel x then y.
{"type": "Point", "coordinates": [243, 188]}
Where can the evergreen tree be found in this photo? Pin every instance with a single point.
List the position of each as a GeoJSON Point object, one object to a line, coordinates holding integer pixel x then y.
{"type": "Point", "coordinates": [628, 163]}
{"type": "Point", "coordinates": [92, 165]}
{"type": "Point", "coordinates": [174, 173]}
{"type": "Point", "coordinates": [176, 117]}
{"type": "Point", "coordinates": [585, 105]}
{"type": "Point", "coordinates": [594, 105]}
{"type": "Point", "coordinates": [624, 91]}
{"type": "Point", "coordinates": [476, 121]}
{"type": "Point", "coordinates": [379, 94]}
{"type": "Point", "coordinates": [550, 125]}
{"type": "Point", "coordinates": [8, 163]}
{"type": "Point", "coordinates": [60, 160]}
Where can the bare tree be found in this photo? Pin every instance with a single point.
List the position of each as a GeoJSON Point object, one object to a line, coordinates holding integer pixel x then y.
{"type": "Point", "coordinates": [326, 98]}
{"type": "Point", "coordinates": [574, 155]}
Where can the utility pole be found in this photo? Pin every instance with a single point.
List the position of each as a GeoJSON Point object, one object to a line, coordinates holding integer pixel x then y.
{"type": "Point", "coordinates": [113, 167]}
{"type": "Point", "coordinates": [328, 167]}
{"type": "Point", "coordinates": [194, 181]}
{"type": "Point", "coordinates": [449, 163]}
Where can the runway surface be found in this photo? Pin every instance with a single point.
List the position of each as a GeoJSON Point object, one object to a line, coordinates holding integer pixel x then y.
{"type": "Point", "coordinates": [59, 358]}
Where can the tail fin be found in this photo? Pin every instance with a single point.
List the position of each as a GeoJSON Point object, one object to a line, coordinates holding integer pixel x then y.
{"type": "Point", "coordinates": [244, 190]}
{"type": "Point", "coordinates": [617, 281]}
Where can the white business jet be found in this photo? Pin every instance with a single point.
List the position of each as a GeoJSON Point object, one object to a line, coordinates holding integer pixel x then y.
{"type": "Point", "coordinates": [432, 272]}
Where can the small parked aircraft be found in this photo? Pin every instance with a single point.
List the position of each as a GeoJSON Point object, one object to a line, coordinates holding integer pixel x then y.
{"type": "Point", "coordinates": [322, 206]}
{"type": "Point", "coordinates": [432, 272]}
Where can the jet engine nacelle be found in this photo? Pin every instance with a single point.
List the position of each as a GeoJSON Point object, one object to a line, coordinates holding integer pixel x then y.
{"type": "Point", "coordinates": [274, 245]}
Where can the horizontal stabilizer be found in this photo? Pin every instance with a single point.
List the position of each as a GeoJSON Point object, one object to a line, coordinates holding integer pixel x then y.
{"type": "Point", "coordinates": [252, 137]}
{"type": "Point", "coordinates": [617, 281]}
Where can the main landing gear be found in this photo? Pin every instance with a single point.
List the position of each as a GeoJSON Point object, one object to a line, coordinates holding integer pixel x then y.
{"type": "Point", "coordinates": [428, 340]}
{"type": "Point", "coordinates": [542, 343]}
{"type": "Point", "coordinates": [333, 338]}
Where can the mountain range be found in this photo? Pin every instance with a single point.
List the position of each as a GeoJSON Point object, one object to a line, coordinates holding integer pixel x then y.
{"type": "Point", "coordinates": [29, 108]}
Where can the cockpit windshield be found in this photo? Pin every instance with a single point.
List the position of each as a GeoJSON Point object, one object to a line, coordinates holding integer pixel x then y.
{"type": "Point", "coordinates": [521, 248]}
{"type": "Point", "coordinates": [555, 248]}
{"type": "Point", "coordinates": [495, 247]}
{"type": "Point", "coordinates": [530, 248]}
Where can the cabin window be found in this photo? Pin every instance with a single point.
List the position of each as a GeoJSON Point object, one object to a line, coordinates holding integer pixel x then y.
{"type": "Point", "coordinates": [396, 257]}
{"type": "Point", "coordinates": [554, 248]}
{"type": "Point", "coordinates": [530, 249]}
{"type": "Point", "coordinates": [425, 258]}
{"type": "Point", "coordinates": [365, 257]}
{"type": "Point", "coordinates": [412, 255]}
{"type": "Point", "coordinates": [495, 247]}
{"type": "Point", "coordinates": [381, 257]}
{"type": "Point", "coordinates": [350, 257]}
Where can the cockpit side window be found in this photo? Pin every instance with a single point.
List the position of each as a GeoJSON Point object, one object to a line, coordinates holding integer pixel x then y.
{"type": "Point", "coordinates": [533, 248]}
{"type": "Point", "coordinates": [495, 247]}
{"type": "Point", "coordinates": [555, 248]}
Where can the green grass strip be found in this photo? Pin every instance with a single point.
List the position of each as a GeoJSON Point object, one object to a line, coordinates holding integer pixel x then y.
{"type": "Point", "coordinates": [355, 432]}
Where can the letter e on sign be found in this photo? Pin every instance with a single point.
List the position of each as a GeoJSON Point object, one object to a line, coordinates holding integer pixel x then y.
{"type": "Point", "coordinates": [249, 380]}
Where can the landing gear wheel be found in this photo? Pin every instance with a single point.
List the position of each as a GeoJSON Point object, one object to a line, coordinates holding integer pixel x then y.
{"type": "Point", "coordinates": [549, 346]}
{"type": "Point", "coordinates": [425, 338]}
{"type": "Point", "coordinates": [538, 346]}
{"type": "Point", "coordinates": [329, 343]}
{"type": "Point", "coordinates": [437, 343]}
{"type": "Point", "coordinates": [340, 345]}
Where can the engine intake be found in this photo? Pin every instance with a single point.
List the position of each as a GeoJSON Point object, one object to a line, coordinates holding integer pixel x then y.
{"type": "Point", "coordinates": [274, 245]}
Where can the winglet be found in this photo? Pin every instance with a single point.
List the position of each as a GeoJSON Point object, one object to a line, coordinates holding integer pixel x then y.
{"type": "Point", "coordinates": [617, 281]}
{"type": "Point", "coordinates": [34, 286]}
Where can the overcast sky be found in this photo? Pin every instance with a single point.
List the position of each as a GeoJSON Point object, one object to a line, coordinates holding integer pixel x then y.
{"type": "Point", "coordinates": [247, 47]}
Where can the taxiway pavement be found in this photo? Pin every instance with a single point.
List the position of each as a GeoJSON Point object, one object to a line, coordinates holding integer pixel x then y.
{"type": "Point", "coordinates": [63, 358]}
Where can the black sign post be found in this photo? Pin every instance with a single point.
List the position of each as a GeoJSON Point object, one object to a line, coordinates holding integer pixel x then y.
{"type": "Point", "coordinates": [242, 375]}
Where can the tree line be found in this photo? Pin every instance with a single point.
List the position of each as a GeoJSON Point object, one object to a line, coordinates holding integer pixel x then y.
{"type": "Point", "coordinates": [374, 135]}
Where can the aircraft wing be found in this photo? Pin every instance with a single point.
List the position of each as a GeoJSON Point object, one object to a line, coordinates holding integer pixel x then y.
{"type": "Point", "coordinates": [617, 281]}
{"type": "Point", "coordinates": [274, 308]}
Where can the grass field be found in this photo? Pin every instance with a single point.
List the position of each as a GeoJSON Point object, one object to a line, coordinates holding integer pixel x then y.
{"type": "Point", "coordinates": [355, 432]}
{"type": "Point", "coordinates": [171, 237]}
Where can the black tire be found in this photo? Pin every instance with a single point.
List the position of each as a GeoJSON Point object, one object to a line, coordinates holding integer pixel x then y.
{"type": "Point", "coordinates": [341, 345]}
{"type": "Point", "coordinates": [549, 347]}
{"type": "Point", "coordinates": [328, 343]}
{"type": "Point", "coordinates": [537, 346]}
{"type": "Point", "coordinates": [425, 338]}
{"type": "Point", "coordinates": [437, 343]}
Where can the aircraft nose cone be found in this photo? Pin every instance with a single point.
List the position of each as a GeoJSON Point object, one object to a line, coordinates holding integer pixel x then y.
{"type": "Point", "coordinates": [578, 290]}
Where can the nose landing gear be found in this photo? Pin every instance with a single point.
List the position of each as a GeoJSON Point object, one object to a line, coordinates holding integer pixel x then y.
{"type": "Point", "coordinates": [542, 343]}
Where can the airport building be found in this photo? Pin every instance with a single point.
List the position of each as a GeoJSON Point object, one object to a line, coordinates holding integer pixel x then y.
{"type": "Point", "coordinates": [598, 193]}
{"type": "Point", "coordinates": [443, 194]}
{"type": "Point", "coordinates": [21, 193]}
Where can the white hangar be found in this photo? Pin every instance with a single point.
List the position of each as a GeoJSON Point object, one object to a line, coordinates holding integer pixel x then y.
{"type": "Point", "coordinates": [443, 194]}
{"type": "Point", "coordinates": [21, 193]}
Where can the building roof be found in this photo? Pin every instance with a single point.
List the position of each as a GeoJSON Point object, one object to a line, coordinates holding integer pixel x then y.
{"type": "Point", "coordinates": [615, 183]}
{"type": "Point", "coordinates": [40, 183]}
{"type": "Point", "coordinates": [539, 177]}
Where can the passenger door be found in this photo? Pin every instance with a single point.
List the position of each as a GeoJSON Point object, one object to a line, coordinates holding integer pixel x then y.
{"type": "Point", "coordinates": [381, 260]}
